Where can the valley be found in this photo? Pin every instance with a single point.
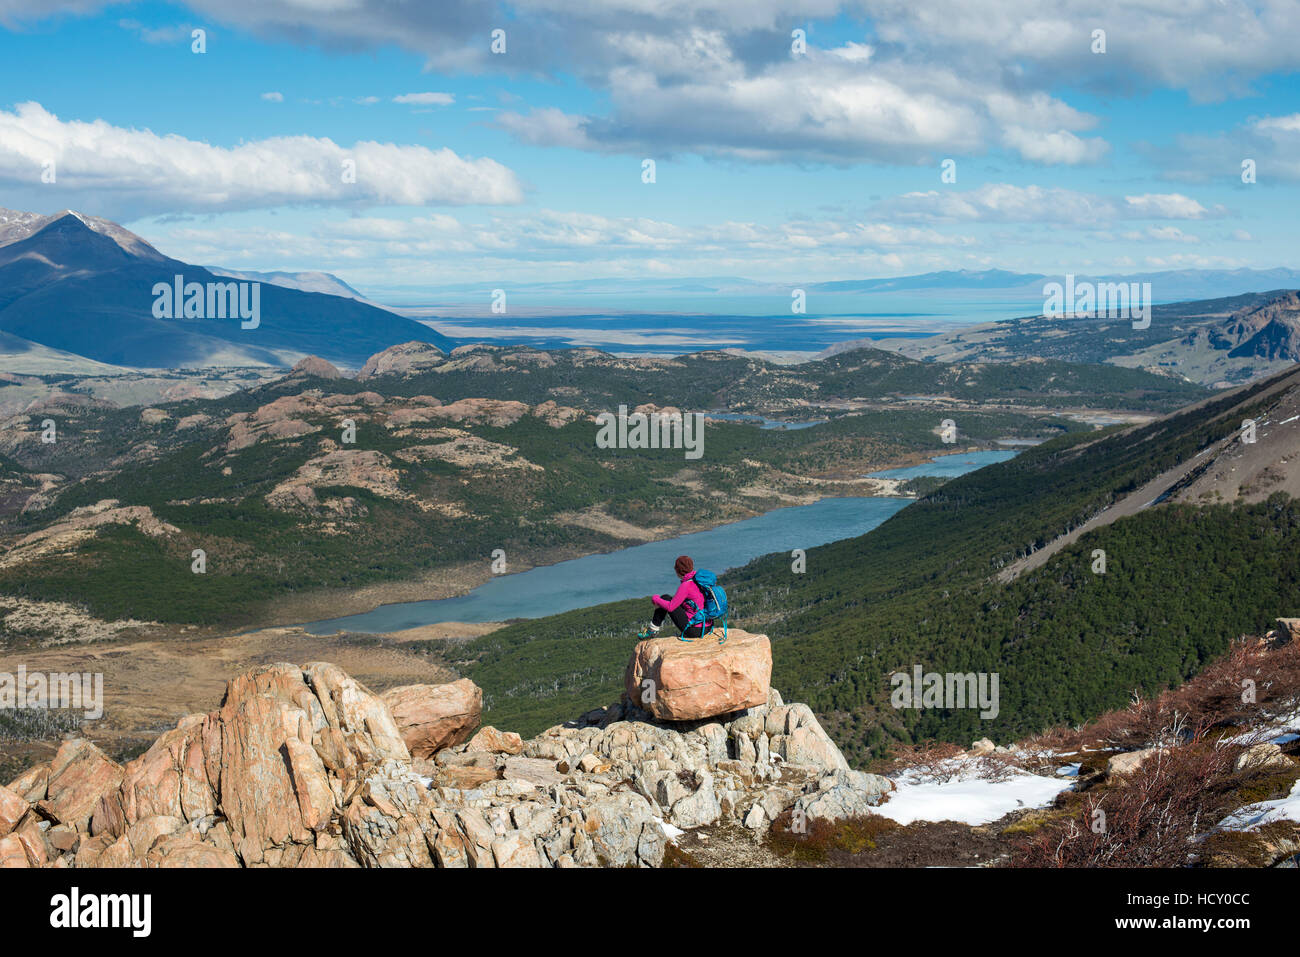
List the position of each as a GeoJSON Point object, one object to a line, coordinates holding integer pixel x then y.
{"type": "Point", "coordinates": [455, 456]}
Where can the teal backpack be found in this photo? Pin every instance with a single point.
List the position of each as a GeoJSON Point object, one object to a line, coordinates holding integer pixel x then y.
{"type": "Point", "coordinates": [715, 606]}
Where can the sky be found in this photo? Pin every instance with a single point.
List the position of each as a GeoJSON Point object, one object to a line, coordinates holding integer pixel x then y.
{"type": "Point", "coordinates": [388, 142]}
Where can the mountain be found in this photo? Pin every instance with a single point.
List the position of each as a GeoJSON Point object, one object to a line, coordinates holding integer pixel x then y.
{"type": "Point", "coordinates": [948, 279]}
{"type": "Point", "coordinates": [1214, 342]}
{"type": "Point", "coordinates": [303, 281]}
{"type": "Point", "coordinates": [22, 356]}
{"type": "Point", "coordinates": [1166, 286]}
{"type": "Point", "coordinates": [1271, 331]}
{"type": "Point", "coordinates": [16, 225]}
{"type": "Point", "coordinates": [87, 287]}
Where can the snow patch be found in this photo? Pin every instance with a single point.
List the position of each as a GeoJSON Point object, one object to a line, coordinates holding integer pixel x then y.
{"type": "Point", "coordinates": [672, 833]}
{"type": "Point", "coordinates": [1265, 812]}
{"type": "Point", "coordinates": [968, 799]}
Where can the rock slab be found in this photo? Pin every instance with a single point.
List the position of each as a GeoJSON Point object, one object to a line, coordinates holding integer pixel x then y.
{"type": "Point", "coordinates": [433, 717]}
{"type": "Point", "coordinates": [676, 680]}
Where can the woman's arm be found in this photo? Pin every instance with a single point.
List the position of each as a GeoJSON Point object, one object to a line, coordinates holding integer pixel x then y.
{"type": "Point", "coordinates": [677, 599]}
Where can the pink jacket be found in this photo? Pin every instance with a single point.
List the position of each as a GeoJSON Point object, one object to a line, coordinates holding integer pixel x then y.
{"type": "Point", "coordinates": [687, 590]}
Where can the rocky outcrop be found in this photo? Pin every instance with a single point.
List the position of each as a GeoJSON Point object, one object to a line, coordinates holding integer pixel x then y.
{"type": "Point", "coordinates": [408, 358]}
{"type": "Point", "coordinates": [1288, 629]}
{"type": "Point", "coordinates": [433, 717]}
{"type": "Point", "coordinates": [498, 412]}
{"type": "Point", "coordinates": [82, 524]}
{"type": "Point", "coordinates": [354, 468]}
{"type": "Point", "coordinates": [305, 767]}
{"type": "Point", "coordinates": [466, 450]}
{"type": "Point", "coordinates": [316, 366]}
{"type": "Point", "coordinates": [557, 416]}
{"type": "Point", "coordinates": [80, 775]}
{"type": "Point", "coordinates": [12, 809]}
{"type": "Point", "coordinates": [686, 681]}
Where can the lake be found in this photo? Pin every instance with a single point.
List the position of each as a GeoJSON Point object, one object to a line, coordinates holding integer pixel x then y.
{"type": "Point", "coordinates": [763, 421]}
{"type": "Point", "coordinates": [639, 570]}
{"type": "Point", "coordinates": [958, 463]}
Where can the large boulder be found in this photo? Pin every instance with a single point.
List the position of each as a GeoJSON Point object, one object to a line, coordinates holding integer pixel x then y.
{"type": "Point", "coordinates": [433, 717]}
{"type": "Point", "coordinates": [492, 741]}
{"type": "Point", "coordinates": [12, 809]}
{"type": "Point", "coordinates": [12, 853]}
{"type": "Point", "coordinates": [1122, 765]}
{"type": "Point", "coordinates": [678, 680]}
{"type": "Point", "coordinates": [80, 775]}
{"type": "Point", "coordinates": [31, 784]}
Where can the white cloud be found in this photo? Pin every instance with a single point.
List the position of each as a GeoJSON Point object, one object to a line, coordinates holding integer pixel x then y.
{"type": "Point", "coordinates": [1271, 143]}
{"type": "Point", "coordinates": [159, 36]}
{"type": "Point", "coordinates": [426, 99]}
{"type": "Point", "coordinates": [1165, 234]}
{"type": "Point", "coordinates": [575, 243]}
{"type": "Point", "coordinates": [1196, 261]}
{"type": "Point", "coordinates": [823, 107]}
{"type": "Point", "coordinates": [1060, 146]}
{"type": "Point", "coordinates": [716, 76]}
{"type": "Point", "coordinates": [1209, 47]}
{"type": "Point", "coordinates": [127, 173]}
{"type": "Point", "coordinates": [1165, 206]}
{"type": "Point", "coordinates": [1274, 125]}
{"type": "Point", "coordinates": [1010, 203]}
{"type": "Point", "coordinates": [273, 97]}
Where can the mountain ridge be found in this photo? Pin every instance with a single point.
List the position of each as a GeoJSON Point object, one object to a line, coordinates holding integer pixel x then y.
{"type": "Point", "coordinates": [86, 287]}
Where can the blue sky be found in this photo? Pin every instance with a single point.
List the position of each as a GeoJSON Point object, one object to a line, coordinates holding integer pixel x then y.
{"type": "Point", "coordinates": [527, 166]}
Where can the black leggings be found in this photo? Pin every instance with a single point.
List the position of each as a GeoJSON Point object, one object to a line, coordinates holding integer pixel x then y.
{"type": "Point", "coordinates": [680, 616]}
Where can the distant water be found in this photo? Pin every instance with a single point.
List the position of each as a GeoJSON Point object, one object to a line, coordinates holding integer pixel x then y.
{"type": "Point", "coordinates": [640, 570]}
{"type": "Point", "coordinates": [666, 334]}
{"type": "Point", "coordinates": [690, 321]}
{"type": "Point", "coordinates": [946, 466]}
{"type": "Point", "coordinates": [763, 421]}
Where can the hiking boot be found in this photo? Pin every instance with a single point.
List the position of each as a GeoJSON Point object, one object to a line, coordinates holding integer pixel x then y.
{"type": "Point", "coordinates": [647, 632]}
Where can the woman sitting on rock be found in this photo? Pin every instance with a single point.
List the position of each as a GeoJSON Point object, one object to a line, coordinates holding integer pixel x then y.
{"type": "Point", "coordinates": [681, 606]}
